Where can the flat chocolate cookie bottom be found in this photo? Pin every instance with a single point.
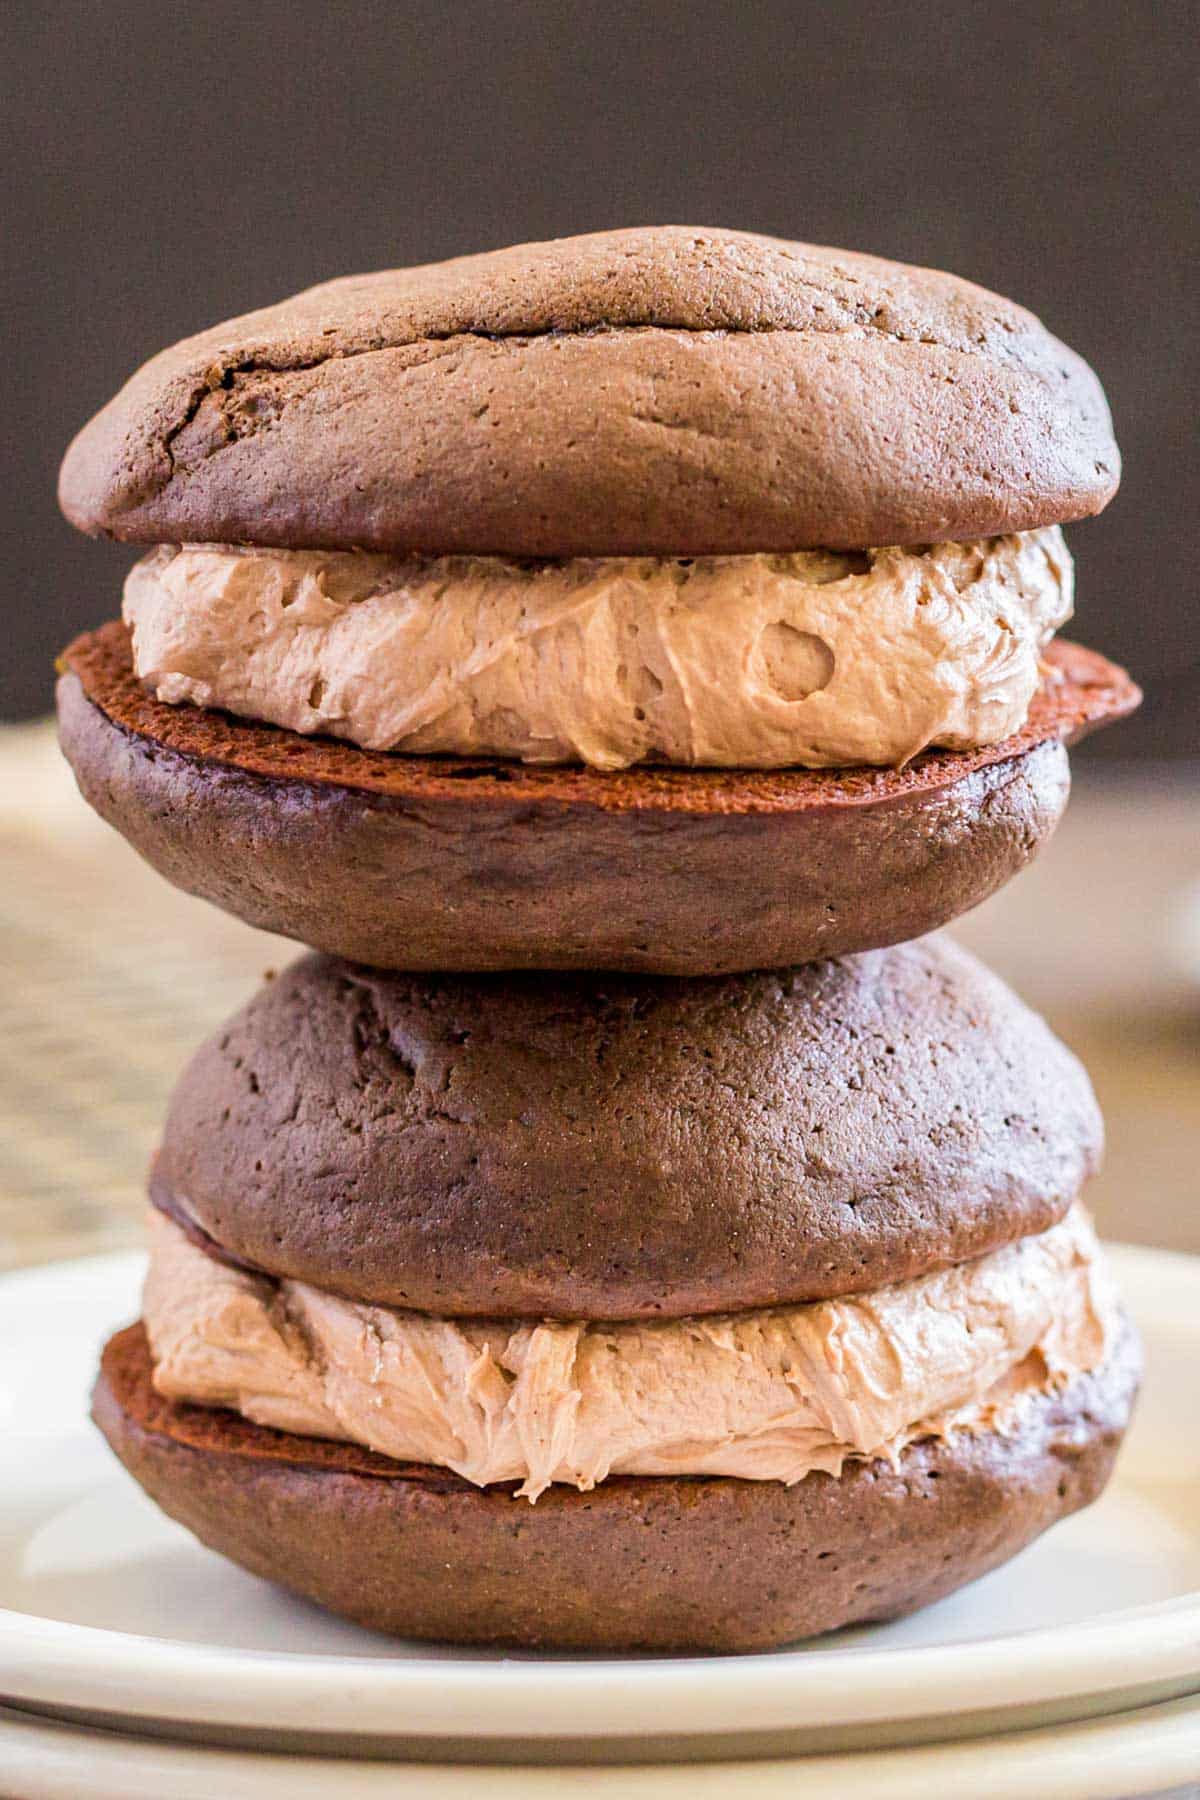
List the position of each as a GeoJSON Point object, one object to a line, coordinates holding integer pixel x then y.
{"type": "Point", "coordinates": [641, 1562]}
{"type": "Point", "coordinates": [407, 862]}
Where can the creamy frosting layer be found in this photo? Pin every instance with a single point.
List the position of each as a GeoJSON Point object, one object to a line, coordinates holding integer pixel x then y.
{"type": "Point", "coordinates": [766, 1395]}
{"type": "Point", "coordinates": [815, 659]}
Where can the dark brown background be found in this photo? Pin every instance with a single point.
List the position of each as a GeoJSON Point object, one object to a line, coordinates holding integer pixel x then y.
{"type": "Point", "coordinates": [170, 166]}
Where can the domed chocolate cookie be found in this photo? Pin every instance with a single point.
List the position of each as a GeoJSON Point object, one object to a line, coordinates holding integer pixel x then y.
{"type": "Point", "coordinates": [664, 390]}
{"type": "Point", "coordinates": [598, 1147]}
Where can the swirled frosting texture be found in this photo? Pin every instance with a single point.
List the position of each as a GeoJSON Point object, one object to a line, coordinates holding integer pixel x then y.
{"type": "Point", "coordinates": [817, 659]}
{"type": "Point", "coordinates": [765, 1395]}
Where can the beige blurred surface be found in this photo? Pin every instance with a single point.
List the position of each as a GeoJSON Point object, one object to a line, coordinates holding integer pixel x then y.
{"type": "Point", "coordinates": [111, 978]}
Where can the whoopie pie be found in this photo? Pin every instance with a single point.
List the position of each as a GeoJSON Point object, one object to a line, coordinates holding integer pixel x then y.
{"type": "Point", "coordinates": [660, 600]}
{"type": "Point", "coordinates": [612, 1313]}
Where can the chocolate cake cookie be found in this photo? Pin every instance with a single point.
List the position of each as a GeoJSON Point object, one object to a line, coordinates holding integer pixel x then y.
{"type": "Point", "coordinates": [420, 1553]}
{"type": "Point", "coordinates": [599, 1147]}
{"type": "Point", "coordinates": [412, 862]}
{"type": "Point", "coordinates": [662, 390]}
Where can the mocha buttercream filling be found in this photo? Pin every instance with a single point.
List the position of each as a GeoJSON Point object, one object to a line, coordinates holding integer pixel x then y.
{"type": "Point", "coordinates": [771, 1394]}
{"type": "Point", "coordinates": [817, 659]}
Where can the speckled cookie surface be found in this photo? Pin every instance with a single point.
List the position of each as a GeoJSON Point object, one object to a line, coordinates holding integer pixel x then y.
{"type": "Point", "coordinates": [663, 390]}
{"type": "Point", "coordinates": [444, 863]}
{"type": "Point", "coordinates": [607, 1147]}
{"type": "Point", "coordinates": [649, 1562]}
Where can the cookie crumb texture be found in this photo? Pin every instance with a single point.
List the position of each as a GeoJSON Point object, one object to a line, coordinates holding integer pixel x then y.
{"type": "Point", "coordinates": [655, 391]}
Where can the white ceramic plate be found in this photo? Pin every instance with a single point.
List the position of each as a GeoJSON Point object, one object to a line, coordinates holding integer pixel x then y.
{"type": "Point", "coordinates": [108, 1610]}
{"type": "Point", "coordinates": [1151, 1750]}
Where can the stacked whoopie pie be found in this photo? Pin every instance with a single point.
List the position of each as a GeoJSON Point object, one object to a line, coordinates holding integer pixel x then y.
{"type": "Point", "coordinates": [549, 638]}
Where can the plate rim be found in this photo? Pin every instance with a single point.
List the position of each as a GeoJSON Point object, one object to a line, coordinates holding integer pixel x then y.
{"type": "Point", "coordinates": [1098, 1757]}
{"type": "Point", "coordinates": [58, 1662]}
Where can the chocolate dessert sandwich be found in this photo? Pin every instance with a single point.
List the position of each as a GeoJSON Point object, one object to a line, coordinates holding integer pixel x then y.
{"type": "Point", "coordinates": [615, 1312]}
{"type": "Point", "coordinates": [605, 655]}
{"type": "Point", "coordinates": [661, 600]}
